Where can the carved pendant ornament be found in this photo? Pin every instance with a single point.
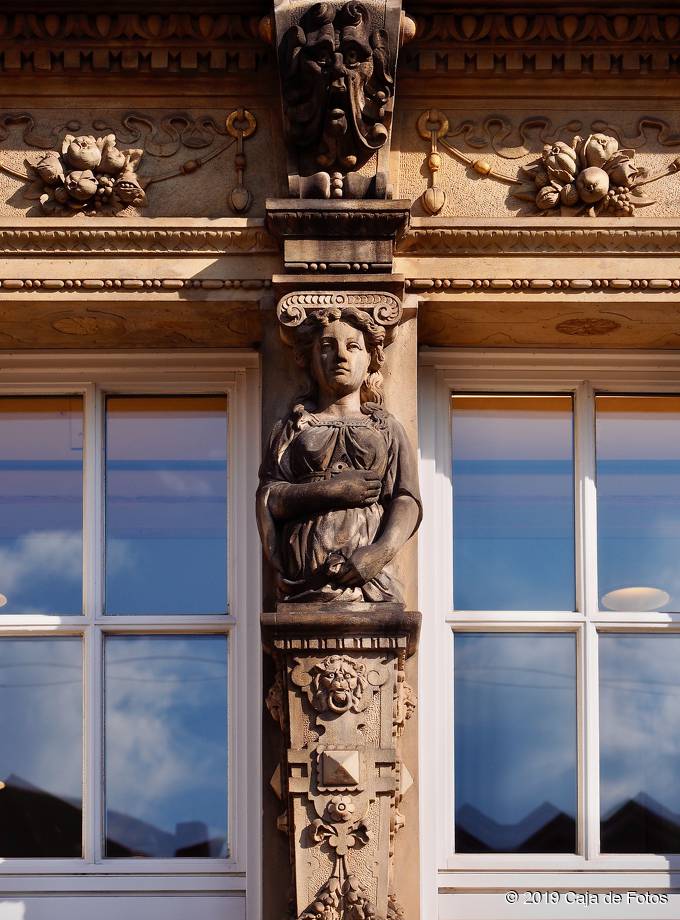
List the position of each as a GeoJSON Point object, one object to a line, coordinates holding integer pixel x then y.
{"type": "Point", "coordinates": [94, 176]}
{"type": "Point", "coordinates": [590, 176]}
{"type": "Point", "coordinates": [338, 492]}
{"type": "Point", "coordinates": [337, 76]}
{"type": "Point", "coordinates": [342, 779]}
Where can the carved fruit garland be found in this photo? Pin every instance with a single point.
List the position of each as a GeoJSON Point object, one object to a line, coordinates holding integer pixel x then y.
{"type": "Point", "coordinates": [92, 176]}
{"type": "Point", "coordinates": [591, 176]}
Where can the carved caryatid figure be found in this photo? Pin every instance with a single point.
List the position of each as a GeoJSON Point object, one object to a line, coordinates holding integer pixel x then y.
{"type": "Point", "coordinates": [337, 83]}
{"type": "Point", "coordinates": [338, 492]}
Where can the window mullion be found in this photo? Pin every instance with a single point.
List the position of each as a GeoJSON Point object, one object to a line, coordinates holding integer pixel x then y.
{"type": "Point", "coordinates": [93, 529]}
{"type": "Point", "coordinates": [89, 744]}
{"type": "Point", "coordinates": [586, 567]}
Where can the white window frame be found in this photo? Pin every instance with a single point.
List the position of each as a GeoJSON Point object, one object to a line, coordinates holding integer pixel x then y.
{"type": "Point", "coordinates": [448, 877]}
{"type": "Point", "coordinates": [234, 373]}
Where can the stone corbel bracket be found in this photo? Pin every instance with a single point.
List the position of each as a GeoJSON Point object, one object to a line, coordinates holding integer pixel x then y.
{"type": "Point", "coordinates": [337, 62]}
{"type": "Point", "coordinates": [342, 701]}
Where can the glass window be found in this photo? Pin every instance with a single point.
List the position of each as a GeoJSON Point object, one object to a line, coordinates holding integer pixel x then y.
{"type": "Point", "coordinates": [41, 505]}
{"type": "Point", "coordinates": [41, 755]}
{"type": "Point", "coordinates": [513, 503]}
{"type": "Point", "coordinates": [640, 743]}
{"type": "Point", "coordinates": [115, 738]}
{"type": "Point", "coordinates": [166, 505]}
{"type": "Point", "coordinates": [166, 746]}
{"type": "Point", "coordinates": [638, 502]}
{"type": "Point", "coordinates": [515, 743]}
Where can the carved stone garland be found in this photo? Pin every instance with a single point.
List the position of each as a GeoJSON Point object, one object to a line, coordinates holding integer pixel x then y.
{"type": "Point", "coordinates": [93, 176]}
{"type": "Point", "coordinates": [591, 176]}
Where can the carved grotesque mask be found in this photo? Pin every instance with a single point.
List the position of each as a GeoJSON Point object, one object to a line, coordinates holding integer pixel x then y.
{"type": "Point", "coordinates": [336, 84]}
{"type": "Point", "coordinates": [338, 685]}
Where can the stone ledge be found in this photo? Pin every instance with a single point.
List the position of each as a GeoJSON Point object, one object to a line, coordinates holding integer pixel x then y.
{"type": "Point", "coordinates": [330, 626]}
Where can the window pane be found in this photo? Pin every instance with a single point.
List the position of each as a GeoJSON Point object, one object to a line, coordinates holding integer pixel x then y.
{"type": "Point", "coordinates": [166, 746]}
{"type": "Point", "coordinates": [41, 504]}
{"type": "Point", "coordinates": [166, 505]}
{"type": "Point", "coordinates": [515, 743]}
{"type": "Point", "coordinates": [640, 743]}
{"type": "Point", "coordinates": [513, 503]}
{"type": "Point", "coordinates": [638, 502]}
{"type": "Point", "coordinates": [41, 752]}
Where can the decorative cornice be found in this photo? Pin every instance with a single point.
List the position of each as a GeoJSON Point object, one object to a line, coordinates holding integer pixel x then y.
{"type": "Point", "coordinates": [524, 285]}
{"type": "Point", "coordinates": [51, 42]}
{"type": "Point", "coordinates": [597, 42]}
{"type": "Point", "coordinates": [513, 239]}
{"type": "Point", "coordinates": [129, 285]}
{"type": "Point", "coordinates": [136, 240]}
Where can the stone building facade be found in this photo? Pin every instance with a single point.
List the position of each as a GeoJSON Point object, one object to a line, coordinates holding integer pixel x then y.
{"type": "Point", "coordinates": [210, 216]}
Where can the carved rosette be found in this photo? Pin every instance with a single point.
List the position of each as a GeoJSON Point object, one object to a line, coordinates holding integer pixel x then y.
{"type": "Point", "coordinates": [342, 777]}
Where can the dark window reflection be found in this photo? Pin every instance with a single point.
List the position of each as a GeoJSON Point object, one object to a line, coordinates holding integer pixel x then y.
{"type": "Point", "coordinates": [166, 505]}
{"type": "Point", "coordinates": [41, 750]}
{"type": "Point", "coordinates": [513, 503]}
{"type": "Point", "coordinates": [166, 746]}
{"type": "Point", "coordinates": [41, 504]}
{"type": "Point", "coordinates": [640, 743]}
{"type": "Point", "coordinates": [515, 743]}
{"type": "Point", "coordinates": [638, 502]}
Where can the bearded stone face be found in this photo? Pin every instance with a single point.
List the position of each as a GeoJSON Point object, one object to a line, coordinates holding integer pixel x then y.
{"type": "Point", "coordinates": [336, 85]}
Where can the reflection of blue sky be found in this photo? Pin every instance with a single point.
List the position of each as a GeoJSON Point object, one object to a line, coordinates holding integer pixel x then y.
{"type": "Point", "coordinates": [515, 724]}
{"type": "Point", "coordinates": [166, 730]}
{"type": "Point", "coordinates": [638, 493]}
{"type": "Point", "coordinates": [41, 713]}
{"type": "Point", "coordinates": [639, 720]}
{"type": "Point", "coordinates": [166, 505]}
{"type": "Point", "coordinates": [41, 508]}
{"type": "Point", "coordinates": [513, 503]}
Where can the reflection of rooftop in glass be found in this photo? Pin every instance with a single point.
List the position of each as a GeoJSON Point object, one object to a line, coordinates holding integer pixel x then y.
{"type": "Point", "coordinates": [637, 599]}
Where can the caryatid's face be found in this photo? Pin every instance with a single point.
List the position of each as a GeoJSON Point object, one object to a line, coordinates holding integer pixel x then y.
{"type": "Point", "coordinates": [340, 359]}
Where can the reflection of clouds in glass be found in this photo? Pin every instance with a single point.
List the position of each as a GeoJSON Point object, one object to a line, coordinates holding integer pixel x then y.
{"type": "Point", "coordinates": [41, 713]}
{"type": "Point", "coordinates": [185, 484]}
{"type": "Point", "coordinates": [639, 719]}
{"type": "Point", "coordinates": [53, 553]}
{"type": "Point", "coordinates": [166, 730]}
{"type": "Point", "coordinates": [515, 711]}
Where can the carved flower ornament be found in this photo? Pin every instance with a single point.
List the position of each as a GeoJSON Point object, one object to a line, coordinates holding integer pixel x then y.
{"type": "Point", "coordinates": [591, 176]}
{"type": "Point", "coordinates": [90, 174]}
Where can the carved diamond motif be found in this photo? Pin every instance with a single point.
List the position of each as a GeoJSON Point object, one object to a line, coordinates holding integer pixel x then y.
{"type": "Point", "coordinates": [340, 768]}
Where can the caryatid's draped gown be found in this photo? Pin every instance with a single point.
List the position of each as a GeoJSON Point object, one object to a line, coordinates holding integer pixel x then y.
{"type": "Point", "coordinates": [305, 448]}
